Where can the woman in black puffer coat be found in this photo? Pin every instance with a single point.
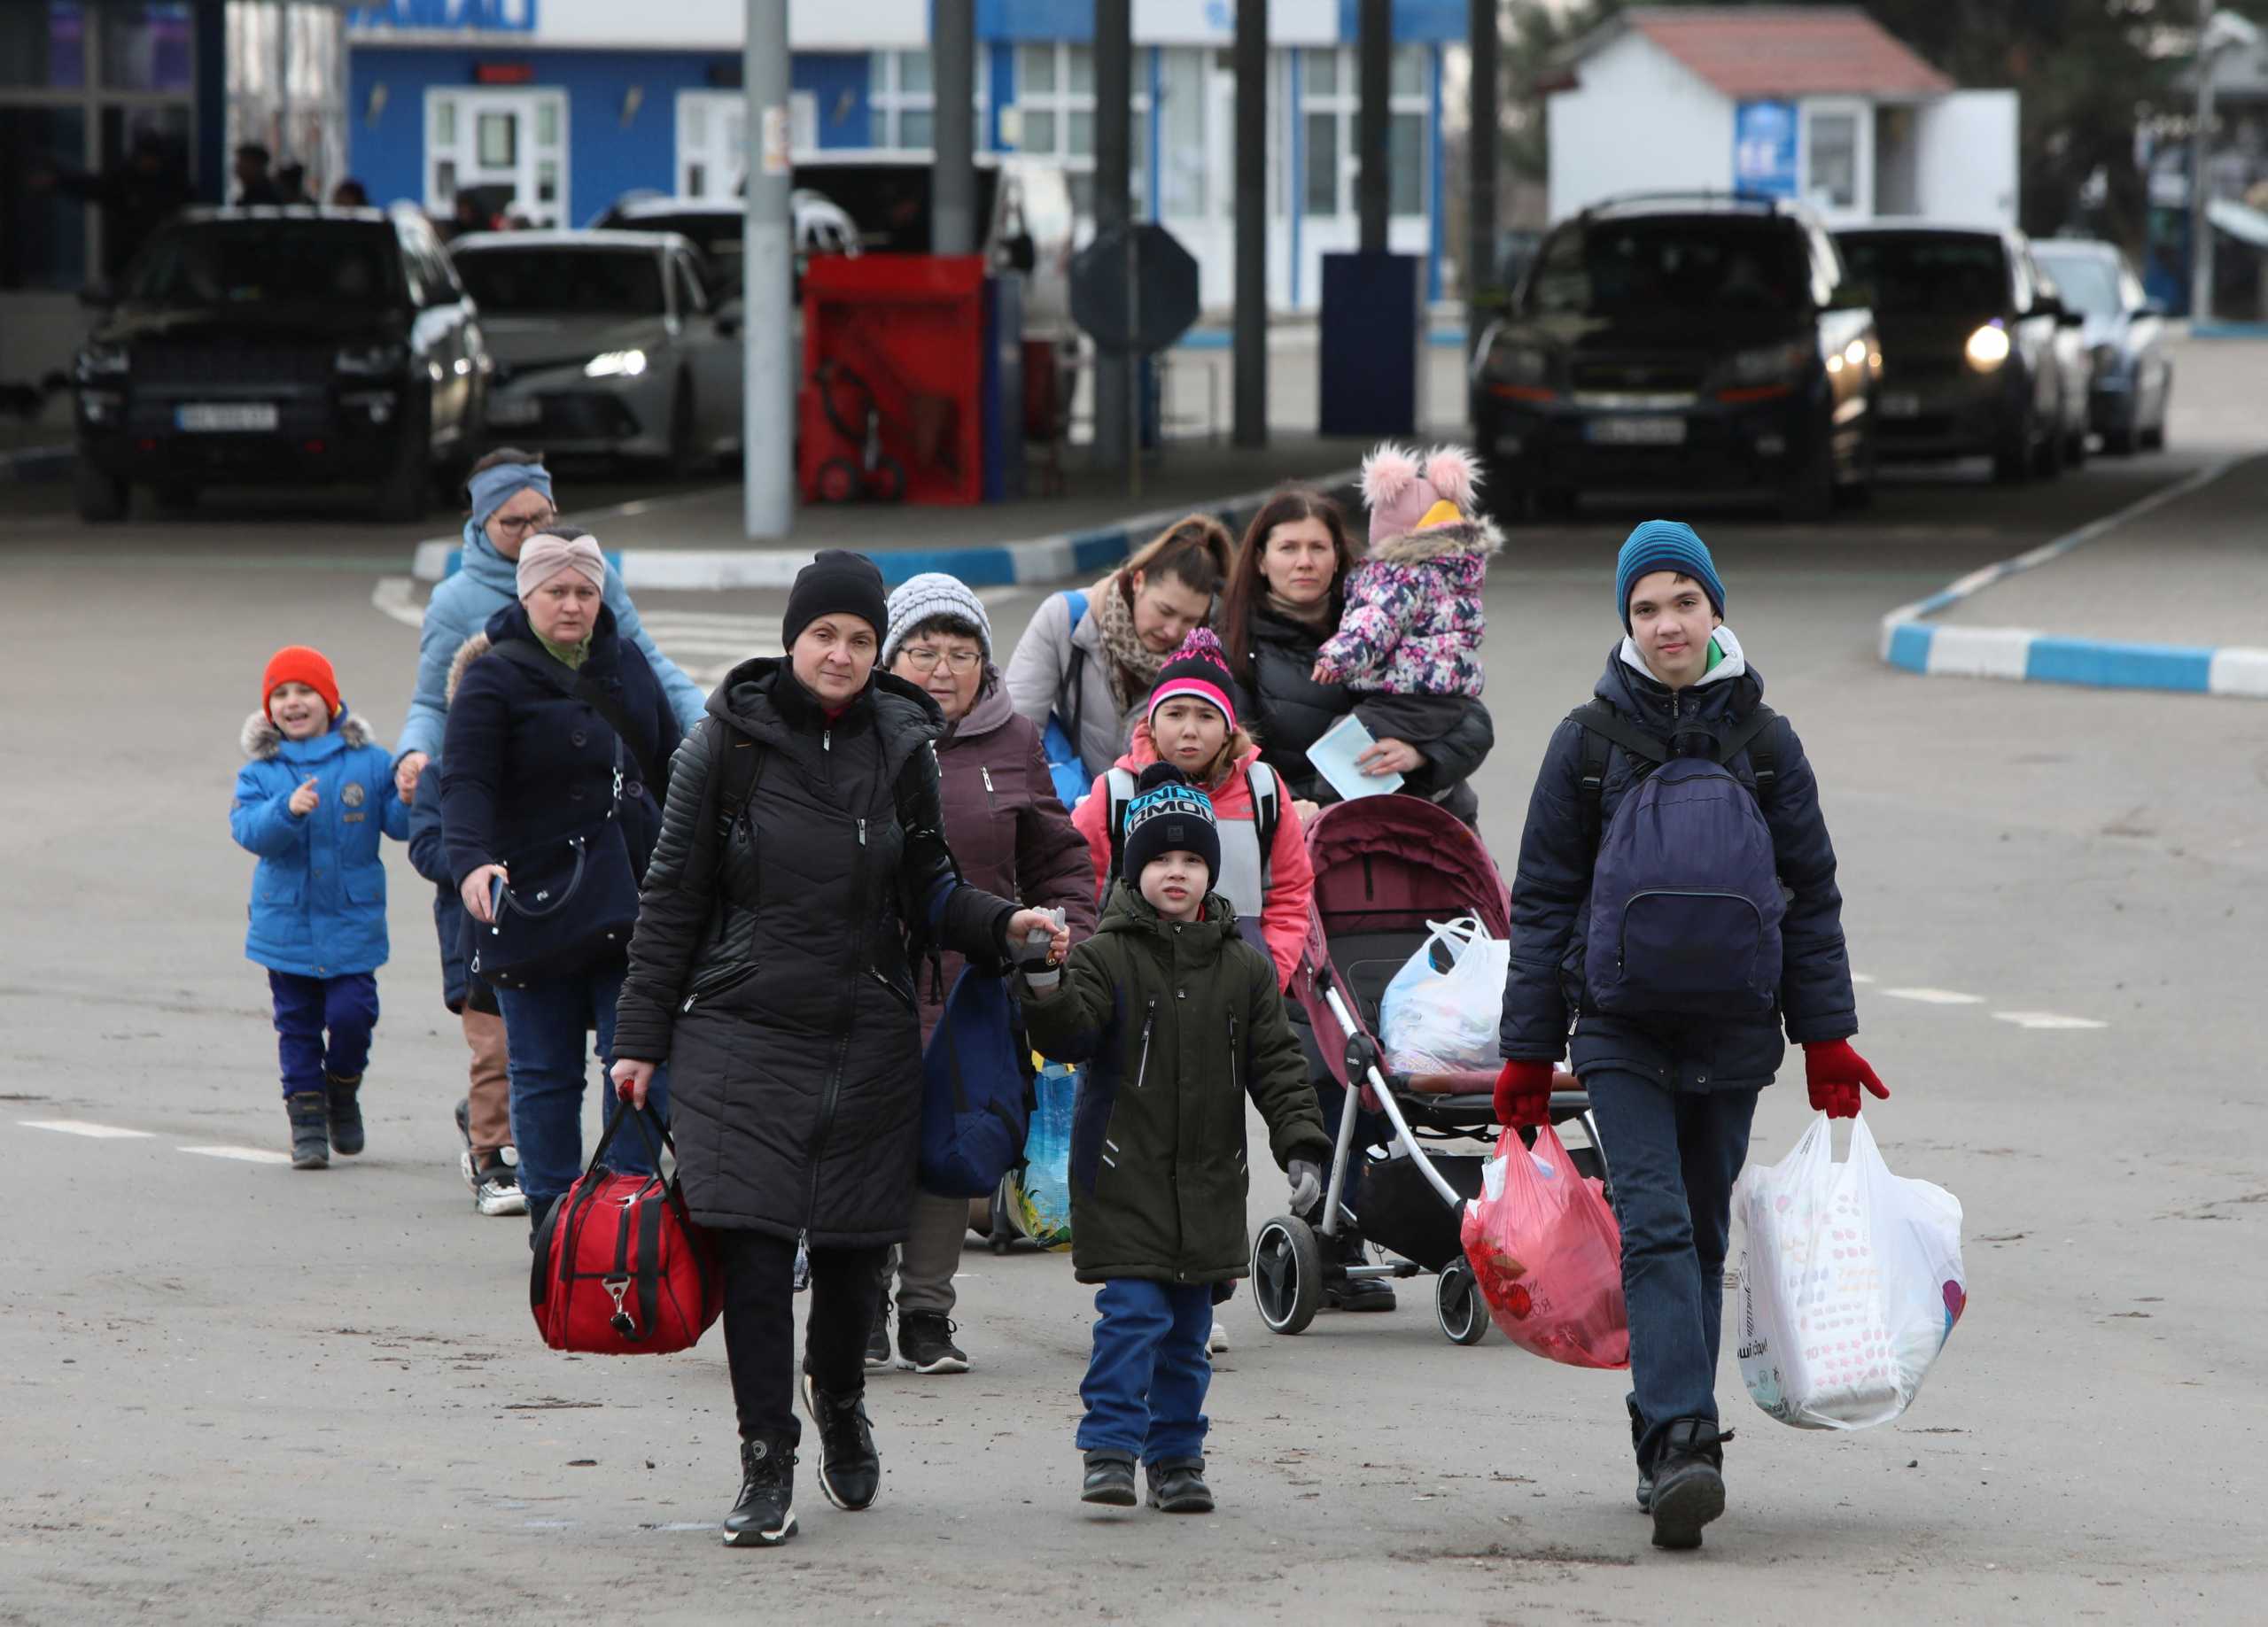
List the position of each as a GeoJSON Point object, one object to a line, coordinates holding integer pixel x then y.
{"type": "Point", "coordinates": [801, 847]}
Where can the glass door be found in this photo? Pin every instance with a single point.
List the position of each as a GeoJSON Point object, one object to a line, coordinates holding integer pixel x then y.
{"type": "Point", "coordinates": [711, 143]}
{"type": "Point", "coordinates": [501, 149]}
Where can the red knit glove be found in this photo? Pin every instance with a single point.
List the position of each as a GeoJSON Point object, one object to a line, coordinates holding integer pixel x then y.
{"type": "Point", "coordinates": [1523, 1094]}
{"type": "Point", "coordinates": [1835, 1071]}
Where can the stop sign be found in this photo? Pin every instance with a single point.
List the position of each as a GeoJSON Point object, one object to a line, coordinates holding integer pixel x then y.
{"type": "Point", "coordinates": [1163, 287]}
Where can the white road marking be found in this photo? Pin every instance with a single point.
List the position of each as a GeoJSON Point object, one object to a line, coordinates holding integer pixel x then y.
{"type": "Point", "coordinates": [989, 596]}
{"type": "Point", "coordinates": [1935, 996]}
{"type": "Point", "coordinates": [243, 1155]}
{"type": "Point", "coordinates": [393, 596]}
{"type": "Point", "coordinates": [2047, 1021]}
{"type": "Point", "coordinates": [1860, 977]}
{"type": "Point", "coordinates": [80, 1127]}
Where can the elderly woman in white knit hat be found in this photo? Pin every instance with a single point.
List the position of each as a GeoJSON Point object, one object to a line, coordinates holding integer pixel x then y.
{"type": "Point", "coordinates": [1012, 837]}
{"type": "Point", "coordinates": [552, 773]}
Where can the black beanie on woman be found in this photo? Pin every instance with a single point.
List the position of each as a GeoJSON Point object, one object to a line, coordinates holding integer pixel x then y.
{"type": "Point", "coordinates": [838, 581]}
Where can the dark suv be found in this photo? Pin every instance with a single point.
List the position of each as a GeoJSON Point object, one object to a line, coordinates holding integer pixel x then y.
{"type": "Point", "coordinates": [1699, 342]}
{"type": "Point", "coordinates": [297, 345]}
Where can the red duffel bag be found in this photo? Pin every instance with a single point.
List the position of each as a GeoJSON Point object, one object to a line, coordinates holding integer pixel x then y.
{"type": "Point", "coordinates": [620, 1268]}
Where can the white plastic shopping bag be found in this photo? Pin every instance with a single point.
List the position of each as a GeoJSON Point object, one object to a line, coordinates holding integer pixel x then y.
{"type": "Point", "coordinates": [1431, 1021]}
{"type": "Point", "coordinates": [1850, 1282]}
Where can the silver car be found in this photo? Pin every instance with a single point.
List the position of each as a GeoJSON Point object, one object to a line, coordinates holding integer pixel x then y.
{"type": "Point", "coordinates": [605, 342]}
{"type": "Point", "coordinates": [2125, 335]}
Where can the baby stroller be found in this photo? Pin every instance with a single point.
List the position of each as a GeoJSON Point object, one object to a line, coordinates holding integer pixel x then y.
{"type": "Point", "coordinates": [1384, 867]}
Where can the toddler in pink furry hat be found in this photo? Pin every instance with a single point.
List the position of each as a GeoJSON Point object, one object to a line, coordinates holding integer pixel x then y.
{"type": "Point", "coordinates": [1413, 621]}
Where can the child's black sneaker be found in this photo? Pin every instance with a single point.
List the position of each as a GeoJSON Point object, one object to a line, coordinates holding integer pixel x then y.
{"type": "Point", "coordinates": [1110, 1478]}
{"type": "Point", "coordinates": [1177, 1486]}
{"type": "Point", "coordinates": [346, 1113]}
{"type": "Point", "coordinates": [925, 1343]}
{"type": "Point", "coordinates": [1689, 1483]}
{"type": "Point", "coordinates": [764, 1515]}
{"type": "Point", "coordinates": [309, 1111]}
{"type": "Point", "coordinates": [877, 1336]}
{"type": "Point", "coordinates": [850, 1469]}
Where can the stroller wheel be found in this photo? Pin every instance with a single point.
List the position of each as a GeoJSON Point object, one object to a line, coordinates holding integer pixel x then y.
{"type": "Point", "coordinates": [1458, 1307]}
{"type": "Point", "coordinates": [1286, 1274]}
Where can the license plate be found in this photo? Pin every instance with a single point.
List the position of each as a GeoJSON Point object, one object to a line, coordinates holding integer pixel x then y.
{"type": "Point", "coordinates": [226, 416]}
{"type": "Point", "coordinates": [1901, 406]}
{"type": "Point", "coordinates": [514, 412]}
{"type": "Point", "coordinates": [1637, 431]}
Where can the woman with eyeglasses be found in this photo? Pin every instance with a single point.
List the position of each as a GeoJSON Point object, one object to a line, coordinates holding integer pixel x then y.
{"type": "Point", "coordinates": [1013, 838]}
{"type": "Point", "coordinates": [511, 497]}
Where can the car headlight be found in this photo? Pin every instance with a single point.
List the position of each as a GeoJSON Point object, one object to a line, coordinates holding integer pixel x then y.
{"type": "Point", "coordinates": [616, 364]}
{"type": "Point", "coordinates": [104, 361]}
{"type": "Point", "coordinates": [371, 361]}
{"type": "Point", "coordinates": [1987, 347]}
{"type": "Point", "coordinates": [1513, 364]}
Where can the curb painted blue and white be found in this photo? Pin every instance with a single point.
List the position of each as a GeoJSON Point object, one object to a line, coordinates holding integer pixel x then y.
{"type": "Point", "coordinates": [1910, 641]}
{"type": "Point", "coordinates": [35, 465]}
{"type": "Point", "coordinates": [1039, 559]}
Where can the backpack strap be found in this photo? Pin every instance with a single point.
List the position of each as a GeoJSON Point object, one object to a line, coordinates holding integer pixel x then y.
{"type": "Point", "coordinates": [580, 686]}
{"type": "Point", "coordinates": [1267, 807]}
{"type": "Point", "coordinates": [733, 770]}
{"type": "Point", "coordinates": [1604, 728]}
{"type": "Point", "coordinates": [1753, 735]}
{"type": "Point", "coordinates": [1075, 673]}
{"type": "Point", "coordinates": [1119, 785]}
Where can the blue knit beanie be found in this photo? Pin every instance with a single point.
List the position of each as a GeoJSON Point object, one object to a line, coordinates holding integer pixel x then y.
{"type": "Point", "coordinates": [1665, 544]}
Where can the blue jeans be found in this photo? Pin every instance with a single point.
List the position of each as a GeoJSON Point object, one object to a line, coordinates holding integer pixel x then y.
{"type": "Point", "coordinates": [550, 1064]}
{"type": "Point", "coordinates": [305, 1008]}
{"type": "Point", "coordinates": [1672, 1158]}
{"type": "Point", "coordinates": [1145, 1382]}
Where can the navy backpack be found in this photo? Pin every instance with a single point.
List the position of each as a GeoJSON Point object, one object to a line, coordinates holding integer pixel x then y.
{"type": "Point", "coordinates": [1685, 904]}
{"type": "Point", "coordinates": [974, 1110]}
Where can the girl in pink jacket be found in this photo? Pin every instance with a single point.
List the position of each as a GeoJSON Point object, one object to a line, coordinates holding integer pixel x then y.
{"type": "Point", "coordinates": [1191, 721]}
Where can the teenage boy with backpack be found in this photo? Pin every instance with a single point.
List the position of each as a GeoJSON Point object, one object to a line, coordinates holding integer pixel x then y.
{"type": "Point", "coordinates": [1676, 902]}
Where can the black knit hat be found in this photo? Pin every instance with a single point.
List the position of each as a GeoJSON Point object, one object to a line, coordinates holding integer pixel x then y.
{"type": "Point", "coordinates": [1169, 815]}
{"type": "Point", "coordinates": [838, 581]}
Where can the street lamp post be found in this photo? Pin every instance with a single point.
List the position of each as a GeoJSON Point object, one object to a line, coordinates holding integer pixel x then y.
{"type": "Point", "coordinates": [2200, 225]}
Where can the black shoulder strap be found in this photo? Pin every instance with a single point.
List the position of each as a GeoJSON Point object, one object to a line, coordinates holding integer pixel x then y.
{"type": "Point", "coordinates": [733, 766]}
{"type": "Point", "coordinates": [1604, 728]}
{"type": "Point", "coordinates": [1752, 733]}
{"type": "Point", "coordinates": [580, 687]}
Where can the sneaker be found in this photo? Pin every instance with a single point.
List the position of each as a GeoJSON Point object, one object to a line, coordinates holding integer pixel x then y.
{"type": "Point", "coordinates": [1177, 1486]}
{"type": "Point", "coordinates": [925, 1343]}
{"type": "Point", "coordinates": [309, 1111]}
{"type": "Point", "coordinates": [850, 1469]}
{"type": "Point", "coordinates": [498, 1189]}
{"type": "Point", "coordinates": [1109, 1479]}
{"type": "Point", "coordinates": [878, 1357]}
{"type": "Point", "coordinates": [1217, 1341]}
{"type": "Point", "coordinates": [1688, 1488]}
{"type": "Point", "coordinates": [763, 1516]}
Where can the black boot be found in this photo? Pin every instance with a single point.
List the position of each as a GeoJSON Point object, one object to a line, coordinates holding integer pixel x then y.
{"type": "Point", "coordinates": [1689, 1483]}
{"type": "Point", "coordinates": [850, 1469]}
{"type": "Point", "coordinates": [345, 1113]}
{"type": "Point", "coordinates": [1110, 1478]}
{"type": "Point", "coordinates": [764, 1516]}
{"type": "Point", "coordinates": [310, 1116]}
{"type": "Point", "coordinates": [1645, 1469]}
{"type": "Point", "coordinates": [1177, 1486]}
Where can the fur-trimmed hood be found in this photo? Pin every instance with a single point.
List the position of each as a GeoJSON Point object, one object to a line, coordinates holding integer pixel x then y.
{"type": "Point", "coordinates": [472, 650]}
{"type": "Point", "coordinates": [1477, 537]}
{"type": "Point", "coordinates": [261, 740]}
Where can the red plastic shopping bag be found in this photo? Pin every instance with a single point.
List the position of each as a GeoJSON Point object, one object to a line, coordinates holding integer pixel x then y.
{"type": "Point", "coordinates": [1548, 1256]}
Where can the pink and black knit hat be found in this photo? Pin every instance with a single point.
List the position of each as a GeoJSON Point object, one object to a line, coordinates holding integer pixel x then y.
{"type": "Point", "coordinates": [1200, 669]}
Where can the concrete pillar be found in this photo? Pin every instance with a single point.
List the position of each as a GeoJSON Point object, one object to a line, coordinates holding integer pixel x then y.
{"type": "Point", "coordinates": [1117, 425]}
{"type": "Point", "coordinates": [1251, 355]}
{"type": "Point", "coordinates": [768, 281]}
{"type": "Point", "coordinates": [2200, 152]}
{"type": "Point", "coordinates": [952, 67]}
{"type": "Point", "coordinates": [1374, 73]}
{"type": "Point", "coordinates": [1480, 201]}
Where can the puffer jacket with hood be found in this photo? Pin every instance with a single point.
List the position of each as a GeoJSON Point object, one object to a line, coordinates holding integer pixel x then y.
{"type": "Point", "coordinates": [772, 968]}
{"type": "Point", "coordinates": [1061, 670]}
{"type": "Point", "coordinates": [1009, 833]}
{"type": "Point", "coordinates": [319, 894]}
{"type": "Point", "coordinates": [1283, 913]}
{"type": "Point", "coordinates": [483, 584]}
{"type": "Point", "coordinates": [1414, 619]}
{"type": "Point", "coordinates": [1177, 1023]}
{"type": "Point", "coordinates": [1552, 891]}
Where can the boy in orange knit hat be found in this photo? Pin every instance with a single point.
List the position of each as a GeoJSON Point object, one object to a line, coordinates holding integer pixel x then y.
{"type": "Point", "coordinates": [311, 803]}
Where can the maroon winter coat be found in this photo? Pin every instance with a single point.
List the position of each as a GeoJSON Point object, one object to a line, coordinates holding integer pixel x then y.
{"type": "Point", "coordinates": [1008, 830]}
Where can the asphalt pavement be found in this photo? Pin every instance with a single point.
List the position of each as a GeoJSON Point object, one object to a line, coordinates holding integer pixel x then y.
{"type": "Point", "coordinates": [237, 1393]}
